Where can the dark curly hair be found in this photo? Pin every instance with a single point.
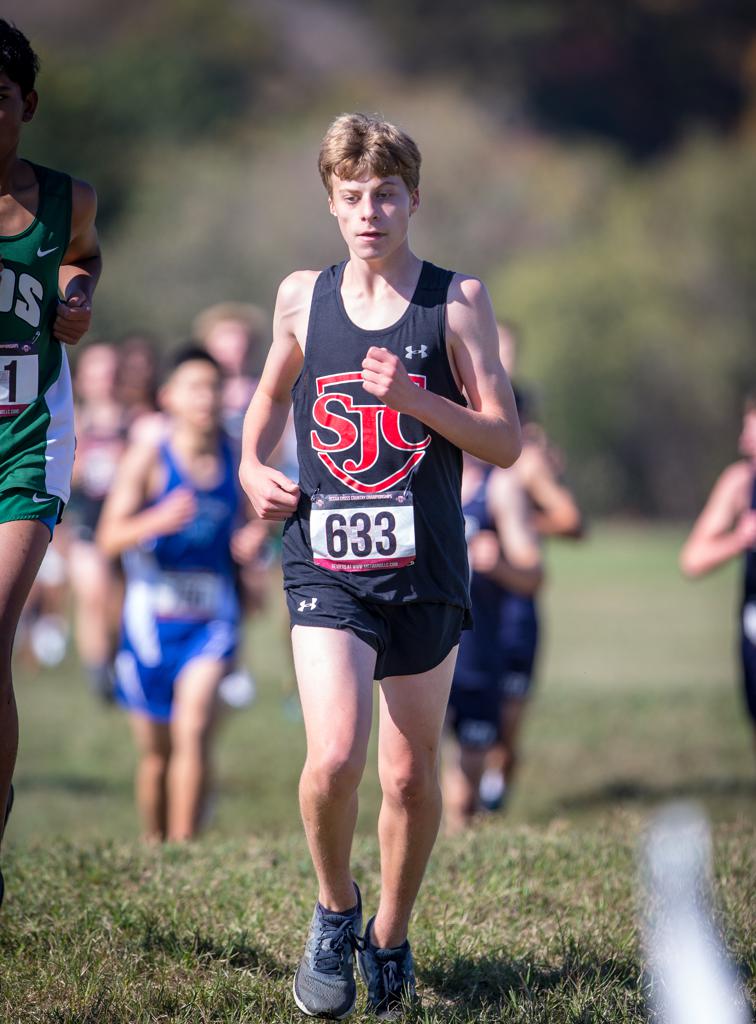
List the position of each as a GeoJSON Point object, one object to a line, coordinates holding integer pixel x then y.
{"type": "Point", "coordinates": [17, 59]}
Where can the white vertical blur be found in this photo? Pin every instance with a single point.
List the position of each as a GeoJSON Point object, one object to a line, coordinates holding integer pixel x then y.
{"type": "Point", "coordinates": [692, 979]}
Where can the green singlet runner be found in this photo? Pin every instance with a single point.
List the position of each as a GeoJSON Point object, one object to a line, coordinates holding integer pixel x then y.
{"type": "Point", "coordinates": [49, 267]}
{"type": "Point", "coordinates": [36, 408]}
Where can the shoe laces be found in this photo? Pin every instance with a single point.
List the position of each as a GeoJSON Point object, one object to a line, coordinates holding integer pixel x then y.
{"type": "Point", "coordinates": [331, 942]}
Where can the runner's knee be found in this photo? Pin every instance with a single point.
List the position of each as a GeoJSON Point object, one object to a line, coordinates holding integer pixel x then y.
{"type": "Point", "coordinates": [334, 772]}
{"type": "Point", "coordinates": [191, 729]}
{"type": "Point", "coordinates": [154, 763]}
{"type": "Point", "coordinates": [410, 783]}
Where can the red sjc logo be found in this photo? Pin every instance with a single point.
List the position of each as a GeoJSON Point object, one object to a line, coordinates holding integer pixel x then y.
{"type": "Point", "coordinates": [361, 432]}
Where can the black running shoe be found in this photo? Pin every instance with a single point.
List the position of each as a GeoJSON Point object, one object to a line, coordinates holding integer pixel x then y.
{"type": "Point", "coordinates": [389, 975]}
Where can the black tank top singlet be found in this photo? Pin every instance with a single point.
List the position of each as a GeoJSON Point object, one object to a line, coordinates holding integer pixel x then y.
{"type": "Point", "coordinates": [749, 575]}
{"type": "Point", "coordinates": [361, 463]}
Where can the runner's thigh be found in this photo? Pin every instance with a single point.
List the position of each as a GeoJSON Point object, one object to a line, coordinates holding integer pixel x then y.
{"type": "Point", "coordinates": [335, 678]}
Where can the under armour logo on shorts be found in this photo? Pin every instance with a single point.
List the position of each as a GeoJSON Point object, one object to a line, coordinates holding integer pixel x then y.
{"type": "Point", "coordinates": [410, 351]}
{"type": "Point", "coordinates": [307, 605]}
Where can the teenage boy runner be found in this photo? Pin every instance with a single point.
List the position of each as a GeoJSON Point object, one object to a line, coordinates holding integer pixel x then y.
{"type": "Point", "coordinates": [725, 529]}
{"type": "Point", "coordinates": [173, 514]}
{"type": "Point", "coordinates": [375, 353]}
{"type": "Point", "coordinates": [49, 266]}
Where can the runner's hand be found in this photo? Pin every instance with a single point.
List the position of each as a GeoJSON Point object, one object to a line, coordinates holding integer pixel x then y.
{"type": "Point", "coordinates": [385, 376]}
{"type": "Point", "coordinates": [172, 512]}
{"type": "Point", "coordinates": [273, 495]}
{"type": "Point", "coordinates": [72, 319]}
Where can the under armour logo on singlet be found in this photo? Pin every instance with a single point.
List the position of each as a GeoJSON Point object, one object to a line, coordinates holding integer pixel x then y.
{"type": "Point", "coordinates": [410, 352]}
{"type": "Point", "coordinates": [308, 605]}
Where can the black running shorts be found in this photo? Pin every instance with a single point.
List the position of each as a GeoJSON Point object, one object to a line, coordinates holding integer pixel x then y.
{"type": "Point", "coordinates": [473, 717]}
{"type": "Point", "coordinates": [407, 638]}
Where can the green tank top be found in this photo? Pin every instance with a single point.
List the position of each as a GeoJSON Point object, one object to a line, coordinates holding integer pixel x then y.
{"type": "Point", "coordinates": [36, 404]}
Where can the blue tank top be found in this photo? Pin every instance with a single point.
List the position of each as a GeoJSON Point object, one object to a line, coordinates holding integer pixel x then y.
{"type": "Point", "coordinates": [190, 575]}
{"type": "Point", "coordinates": [749, 575]}
{"type": "Point", "coordinates": [380, 513]}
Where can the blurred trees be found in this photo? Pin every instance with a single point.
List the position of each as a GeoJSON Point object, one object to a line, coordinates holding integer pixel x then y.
{"type": "Point", "coordinates": [639, 329]}
{"type": "Point", "coordinates": [593, 162]}
{"type": "Point", "coordinates": [637, 72]}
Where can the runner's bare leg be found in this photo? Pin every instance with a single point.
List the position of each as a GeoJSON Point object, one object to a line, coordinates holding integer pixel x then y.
{"type": "Point", "coordinates": [335, 678]}
{"type": "Point", "coordinates": [412, 711]}
{"type": "Point", "coordinates": [22, 547]}
{"type": "Point", "coordinates": [192, 721]}
{"type": "Point", "coordinates": [153, 743]}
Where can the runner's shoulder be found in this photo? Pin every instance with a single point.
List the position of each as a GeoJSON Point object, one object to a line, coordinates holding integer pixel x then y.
{"type": "Point", "coordinates": [468, 304]}
{"type": "Point", "coordinates": [296, 289]}
{"type": "Point", "coordinates": [141, 457]}
{"type": "Point", "coordinates": [466, 288]}
{"type": "Point", "coordinates": [737, 479]}
{"type": "Point", "coordinates": [83, 200]}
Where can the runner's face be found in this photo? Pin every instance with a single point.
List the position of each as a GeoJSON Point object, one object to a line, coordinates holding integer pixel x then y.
{"type": "Point", "coordinates": [14, 111]}
{"type": "Point", "coordinates": [373, 214]}
{"type": "Point", "coordinates": [748, 436]}
{"type": "Point", "coordinates": [96, 374]}
{"type": "Point", "coordinates": [193, 396]}
{"type": "Point", "coordinates": [228, 343]}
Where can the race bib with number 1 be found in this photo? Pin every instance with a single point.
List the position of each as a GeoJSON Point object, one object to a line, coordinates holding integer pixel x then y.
{"type": "Point", "coordinates": [358, 532]}
{"type": "Point", "coordinates": [19, 382]}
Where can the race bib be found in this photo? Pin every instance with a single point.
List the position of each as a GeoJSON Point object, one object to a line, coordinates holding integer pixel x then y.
{"type": "Point", "coordinates": [19, 382]}
{"type": "Point", "coordinates": [357, 532]}
{"type": "Point", "coordinates": [187, 595]}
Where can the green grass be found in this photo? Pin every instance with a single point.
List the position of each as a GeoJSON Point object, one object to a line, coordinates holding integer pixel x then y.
{"type": "Point", "coordinates": [530, 919]}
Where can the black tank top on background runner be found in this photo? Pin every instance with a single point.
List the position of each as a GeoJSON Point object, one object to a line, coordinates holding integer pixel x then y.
{"type": "Point", "coordinates": [380, 491]}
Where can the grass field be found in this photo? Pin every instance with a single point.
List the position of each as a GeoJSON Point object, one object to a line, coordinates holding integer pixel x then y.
{"type": "Point", "coordinates": [532, 918]}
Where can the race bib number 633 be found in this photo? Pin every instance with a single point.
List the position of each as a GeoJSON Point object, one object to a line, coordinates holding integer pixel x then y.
{"type": "Point", "coordinates": [357, 532]}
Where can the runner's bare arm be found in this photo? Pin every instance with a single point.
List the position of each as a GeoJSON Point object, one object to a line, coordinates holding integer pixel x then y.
{"type": "Point", "coordinates": [272, 494]}
{"type": "Point", "coordinates": [80, 269]}
{"type": "Point", "coordinates": [557, 512]}
{"type": "Point", "coordinates": [725, 528]}
{"type": "Point", "coordinates": [124, 522]}
{"type": "Point", "coordinates": [520, 569]}
{"type": "Point", "coordinates": [489, 428]}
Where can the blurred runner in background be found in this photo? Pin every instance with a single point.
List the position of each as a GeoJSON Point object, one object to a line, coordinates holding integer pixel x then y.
{"type": "Point", "coordinates": [96, 583]}
{"type": "Point", "coordinates": [136, 386]}
{"type": "Point", "coordinates": [553, 511]}
{"type": "Point", "coordinates": [235, 334]}
{"type": "Point", "coordinates": [726, 529]}
{"type": "Point", "coordinates": [505, 560]}
{"type": "Point", "coordinates": [172, 514]}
